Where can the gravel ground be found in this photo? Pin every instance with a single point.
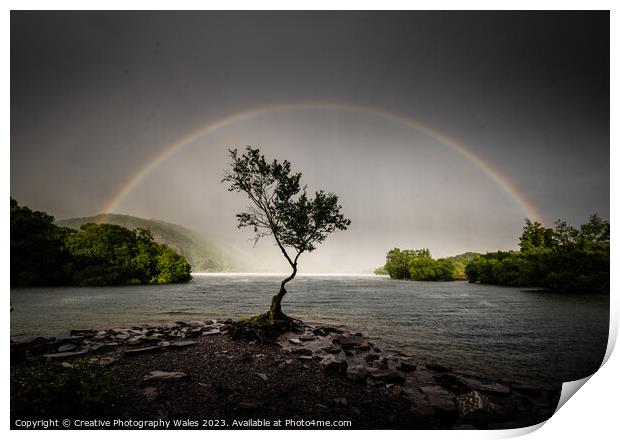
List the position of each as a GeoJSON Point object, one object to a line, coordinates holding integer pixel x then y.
{"type": "Point", "coordinates": [318, 377]}
{"type": "Point", "coordinates": [223, 384]}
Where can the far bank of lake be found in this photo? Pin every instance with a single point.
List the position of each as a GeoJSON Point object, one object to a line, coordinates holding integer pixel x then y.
{"type": "Point", "coordinates": [502, 332]}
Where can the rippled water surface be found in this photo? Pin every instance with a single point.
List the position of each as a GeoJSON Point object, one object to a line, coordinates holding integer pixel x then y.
{"type": "Point", "coordinates": [499, 331]}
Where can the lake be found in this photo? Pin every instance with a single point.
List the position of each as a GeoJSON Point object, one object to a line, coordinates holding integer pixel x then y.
{"type": "Point", "coordinates": [502, 332]}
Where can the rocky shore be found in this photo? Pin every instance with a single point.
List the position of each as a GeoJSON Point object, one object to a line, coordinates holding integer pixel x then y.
{"type": "Point", "coordinates": [198, 373]}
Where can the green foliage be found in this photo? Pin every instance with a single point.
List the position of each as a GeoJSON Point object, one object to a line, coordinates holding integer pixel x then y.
{"type": "Point", "coordinates": [381, 271]}
{"type": "Point", "coordinates": [201, 254]}
{"type": "Point", "coordinates": [564, 259]}
{"type": "Point", "coordinates": [280, 206]}
{"type": "Point", "coordinates": [112, 255]}
{"type": "Point", "coordinates": [171, 267]}
{"type": "Point", "coordinates": [46, 389]}
{"type": "Point", "coordinates": [460, 261]}
{"type": "Point", "coordinates": [536, 238]}
{"type": "Point", "coordinates": [38, 254]}
{"type": "Point", "coordinates": [98, 254]}
{"type": "Point", "coordinates": [397, 263]}
{"type": "Point", "coordinates": [418, 265]}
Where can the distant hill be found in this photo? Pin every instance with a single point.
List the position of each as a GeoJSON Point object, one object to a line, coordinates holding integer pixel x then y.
{"type": "Point", "coordinates": [202, 255]}
{"type": "Point", "coordinates": [460, 261]}
{"type": "Point", "coordinates": [464, 258]}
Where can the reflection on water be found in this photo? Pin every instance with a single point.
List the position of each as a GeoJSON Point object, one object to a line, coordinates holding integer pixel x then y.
{"type": "Point", "coordinates": [500, 331]}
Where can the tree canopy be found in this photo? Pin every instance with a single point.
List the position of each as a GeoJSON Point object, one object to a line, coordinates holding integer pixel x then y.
{"type": "Point", "coordinates": [38, 252]}
{"type": "Point", "coordinates": [564, 259]}
{"type": "Point", "coordinates": [202, 254]}
{"type": "Point", "coordinates": [98, 254]}
{"type": "Point", "coordinates": [419, 265]}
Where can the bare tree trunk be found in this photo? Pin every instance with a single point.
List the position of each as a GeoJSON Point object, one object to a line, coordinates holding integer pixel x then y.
{"type": "Point", "coordinates": [276, 302]}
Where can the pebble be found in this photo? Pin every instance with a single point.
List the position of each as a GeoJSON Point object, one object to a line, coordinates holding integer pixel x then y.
{"type": "Point", "coordinates": [164, 375]}
{"type": "Point", "coordinates": [249, 404]}
{"type": "Point", "coordinates": [151, 393]}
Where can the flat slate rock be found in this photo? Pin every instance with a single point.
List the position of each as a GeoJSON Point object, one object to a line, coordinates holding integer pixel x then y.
{"type": "Point", "coordinates": [135, 351]}
{"type": "Point", "coordinates": [302, 351]}
{"type": "Point", "coordinates": [495, 388]}
{"type": "Point", "coordinates": [30, 342]}
{"type": "Point", "coordinates": [211, 332]}
{"type": "Point", "coordinates": [347, 342]}
{"type": "Point", "coordinates": [437, 367]}
{"type": "Point", "coordinates": [181, 344]}
{"type": "Point", "coordinates": [151, 340]}
{"type": "Point", "coordinates": [434, 390]}
{"type": "Point", "coordinates": [67, 347]}
{"type": "Point", "coordinates": [388, 376]}
{"type": "Point", "coordinates": [411, 392]}
{"type": "Point", "coordinates": [164, 375]}
{"type": "Point", "coordinates": [94, 347]}
{"type": "Point", "coordinates": [328, 329]}
{"type": "Point", "coordinates": [331, 349]}
{"type": "Point", "coordinates": [65, 355]}
{"type": "Point", "coordinates": [407, 366]}
{"type": "Point", "coordinates": [331, 364]}
{"type": "Point", "coordinates": [357, 373]}
{"type": "Point", "coordinates": [81, 332]}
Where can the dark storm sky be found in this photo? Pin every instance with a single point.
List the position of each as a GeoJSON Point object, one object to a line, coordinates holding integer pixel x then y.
{"type": "Point", "coordinates": [96, 95]}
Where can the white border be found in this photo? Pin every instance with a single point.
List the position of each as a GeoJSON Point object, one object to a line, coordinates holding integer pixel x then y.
{"type": "Point", "coordinates": [591, 413]}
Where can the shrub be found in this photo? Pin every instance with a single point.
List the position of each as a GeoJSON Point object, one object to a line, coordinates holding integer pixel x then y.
{"type": "Point", "coordinates": [46, 389]}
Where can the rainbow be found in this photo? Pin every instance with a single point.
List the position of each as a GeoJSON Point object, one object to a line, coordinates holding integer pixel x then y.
{"type": "Point", "coordinates": [526, 207]}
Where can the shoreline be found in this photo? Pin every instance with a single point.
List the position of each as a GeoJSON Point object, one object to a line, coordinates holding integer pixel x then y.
{"type": "Point", "coordinates": [325, 371]}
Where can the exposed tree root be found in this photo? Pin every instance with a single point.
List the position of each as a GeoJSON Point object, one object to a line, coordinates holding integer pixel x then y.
{"type": "Point", "coordinates": [265, 328]}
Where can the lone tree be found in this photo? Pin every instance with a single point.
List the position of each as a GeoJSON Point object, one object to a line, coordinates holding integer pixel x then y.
{"type": "Point", "coordinates": [281, 208]}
